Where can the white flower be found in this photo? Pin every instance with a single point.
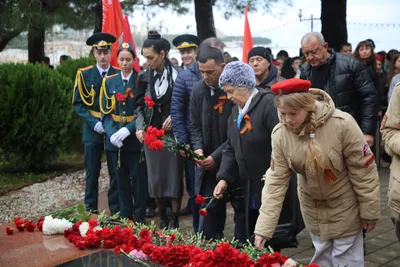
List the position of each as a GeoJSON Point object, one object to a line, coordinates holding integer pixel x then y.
{"type": "Point", "coordinates": [97, 228]}
{"type": "Point", "coordinates": [83, 228]}
{"type": "Point", "coordinates": [55, 226]}
{"type": "Point", "coordinates": [289, 263]}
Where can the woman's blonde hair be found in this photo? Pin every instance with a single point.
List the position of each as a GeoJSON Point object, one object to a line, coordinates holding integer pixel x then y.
{"type": "Point", "coordinates": [306, 101]}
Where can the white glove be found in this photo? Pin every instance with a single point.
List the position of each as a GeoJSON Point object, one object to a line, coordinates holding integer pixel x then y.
{"type": "Point", "coordinates": [115, 141]}
{"type": "Point", "coordinates": [122, 134]}
{"type": "Point", "coordinates": [99, 127]}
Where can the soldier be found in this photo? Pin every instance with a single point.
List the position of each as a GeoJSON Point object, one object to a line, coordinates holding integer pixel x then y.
{"type": "Point", "coordinates": [86, 103]}
{"type": "Point", "coordinates": [187, 45]}
{"type": "Point", "coordinates": [122, 147]}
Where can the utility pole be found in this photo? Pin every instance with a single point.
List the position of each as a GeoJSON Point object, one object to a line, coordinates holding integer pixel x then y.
{"type": "Point", "coordinates": [307, 19]}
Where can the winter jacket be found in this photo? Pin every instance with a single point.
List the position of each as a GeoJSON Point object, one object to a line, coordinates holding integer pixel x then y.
{"type": "Point", "coordinates": [351, 89]}
{"type": "Point", "coordinates": [391, 138]}
{"type": "Point", "coordinates": [180, 106]}
{"type": "Point", "coordinates": [335, 202]}
{"type": "Point", "coordinates": [272, 78]}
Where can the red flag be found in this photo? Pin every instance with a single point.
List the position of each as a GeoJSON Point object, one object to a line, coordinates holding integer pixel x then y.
{"type": "Point", "coordinates": [113, 24]}
{"type": "Point", "coordinates": [127, 37]}
{"type": "Point", "coordinates": [247, 39]}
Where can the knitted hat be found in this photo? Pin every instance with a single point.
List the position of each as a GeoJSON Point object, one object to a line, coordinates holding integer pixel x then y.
{"type": "Point", "coordinates": [259, 51]}
{"type": "Point", "coordinates": [238, 74]}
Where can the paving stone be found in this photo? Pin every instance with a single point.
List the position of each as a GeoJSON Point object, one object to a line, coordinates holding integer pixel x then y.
{"type": "Point", "coordinates": [371, 264]}
{"type": "Point", "coordinates": [393, 263]}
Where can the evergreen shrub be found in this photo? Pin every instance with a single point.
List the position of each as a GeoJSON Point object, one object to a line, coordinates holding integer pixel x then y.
{"type": "Point", "coordinates": [35, 112]}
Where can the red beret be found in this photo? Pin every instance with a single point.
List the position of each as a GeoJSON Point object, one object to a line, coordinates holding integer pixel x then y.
{"type": "Point", "coordinates": [293, 85]}
{"type": "Point", "coordinates": [379, 57]}
{"type": "Point", "coordinates": [276, 63]}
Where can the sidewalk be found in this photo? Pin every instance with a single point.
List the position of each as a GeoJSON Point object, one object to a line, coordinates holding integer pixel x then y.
{"type": "Point", "coordinates": [382, 246]}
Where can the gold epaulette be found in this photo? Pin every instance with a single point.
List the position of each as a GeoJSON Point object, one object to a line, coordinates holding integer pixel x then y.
{"type": "Point", "coordinates": [86, 68]}
{"type": "Point", "coordinates": [112, 75]}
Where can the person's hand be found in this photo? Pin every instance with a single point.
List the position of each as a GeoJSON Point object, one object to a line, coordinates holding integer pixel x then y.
{"type": "Point", "coordinates": [369, 227]}
{"type": "Point", "coordinates": [207, 163]}
{"type": "Point", "coordinates": [369, 139]}
{"type": "Point", "coordinates": [99, 127]}
{"type": "Point", "coordinates": [167, 125]}
{"type": "Point", "coordinates": [140, 135]}
{"type": "Point", "coordinates": [220, 189]}
{"type": "Point", "coordinates": [121, 134]}
{"type": "Point", "coordinates": [259, 241]}
{"type": "Point", "coordinates": [200, 153]}
{"type": "Point", "coordinates": [115, 141]}
{"type": "Point", "coordinates": [182, 152]}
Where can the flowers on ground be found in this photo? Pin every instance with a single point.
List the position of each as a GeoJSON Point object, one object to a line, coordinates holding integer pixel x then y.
{"type": "Point", "coordinates": [53, 226]}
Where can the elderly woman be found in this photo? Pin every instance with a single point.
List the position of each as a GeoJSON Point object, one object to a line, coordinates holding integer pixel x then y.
{"type": "Point", "coordinates": [249, 145]}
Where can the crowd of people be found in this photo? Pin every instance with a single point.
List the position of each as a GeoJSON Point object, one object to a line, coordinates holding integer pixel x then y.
{"type": "Point", "coordinates": [288, 141]}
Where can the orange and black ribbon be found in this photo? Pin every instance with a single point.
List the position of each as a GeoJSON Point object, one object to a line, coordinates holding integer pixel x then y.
{"type": "Point", "coordinates": [247, 126]}
{"type": "Point", "coordinates": [329, 176]}
{"type": "Point", "coordinates": [128, 92]}
{"type": "Point", "coordinates": [220, 106]}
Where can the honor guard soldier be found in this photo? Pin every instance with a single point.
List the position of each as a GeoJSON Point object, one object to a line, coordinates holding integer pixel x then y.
{"type": "Point", "coordinates": [123, 149]}
{"type": "Point", "coordinates": [187, 45]}
{"type": "Point", "coordinates": [86, 103]}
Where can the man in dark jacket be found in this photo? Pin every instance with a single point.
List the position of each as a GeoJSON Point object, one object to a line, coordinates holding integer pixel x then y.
{"type": "Point", "coordinates": [345, 79]}
{"type": "Point", "coordinates": [180, 115]}
{"type": "Point", "coordinates": [209, 111]}
{"type": "Point", "coordinates": [266, 73]}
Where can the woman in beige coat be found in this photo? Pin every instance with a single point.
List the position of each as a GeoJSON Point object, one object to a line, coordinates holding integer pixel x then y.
{"type": "Point", "coordinates": [338, 184]}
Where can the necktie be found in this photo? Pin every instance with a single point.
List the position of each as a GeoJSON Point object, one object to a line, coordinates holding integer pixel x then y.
{"type": "Point", "coordinates": [125, 82]}
{"type": "Point", "coordinates": [104, 73]}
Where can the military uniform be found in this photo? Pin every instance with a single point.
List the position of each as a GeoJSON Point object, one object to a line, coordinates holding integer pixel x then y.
{"type": "Point", "coordinates": [86, 103]}
{"type": "Point", "coordinates": [125, 158]}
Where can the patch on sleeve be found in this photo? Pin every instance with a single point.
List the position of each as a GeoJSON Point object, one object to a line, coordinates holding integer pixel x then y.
{"type": "Point", "coordinates": [366, 150]}
{"type": "Point", "coordinates": [369, 161]}
{"type": "Point", "coordinates": [272, 164]}
{"type": "Point", "coordinates": [384, 120]}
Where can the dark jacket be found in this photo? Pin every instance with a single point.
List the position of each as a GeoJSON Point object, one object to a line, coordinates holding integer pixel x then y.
{"type": "Point", "coordinates": [200, 126]}
{"type": "Point", "coordinates": [180, 106]}
{"type": "Point", "coordinates": [351, 89]}
{"type": "Point", "coordinates": [252, 153]}
{"type": "Point", "coordinates": [272, 78]}
{"type": "Point", "coordinates": [162, 108]}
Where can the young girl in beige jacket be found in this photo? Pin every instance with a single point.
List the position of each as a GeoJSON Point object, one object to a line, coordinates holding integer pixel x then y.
{"type": "Point", "coordinates": [338, 183]}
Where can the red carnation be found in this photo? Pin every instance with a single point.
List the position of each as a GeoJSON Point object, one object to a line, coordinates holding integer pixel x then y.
{"type": "Point", "coordinates": [203, 212]}
{"type": "Point", "coordinates": [172, 238]}
{"type": "Point", "coordinates": [21, 227]}
{"type": "Point", "coordinates": [200, 199]}
{"type": "Point", "coordinates": [9, 231]}
{"type": "Point", "coordinates": [93, 223]}
{"type": "Point", "coordinates": [149, 102]}
{"type": "Point", "coordinates": [40, 224]}
{"type": "Point", "coordinates": [30, 226]}
{"type": "Point", "coordinates": [312, 265]}
{"type": "Point", "coordinates": [120, 97]}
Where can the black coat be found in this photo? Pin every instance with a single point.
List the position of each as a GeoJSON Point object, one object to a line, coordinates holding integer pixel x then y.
{"type": "Point", "coordinates": [200, 126]}
{"type": "Point", "coordinates": [161, 109]}
{"type": "Point", "coordinates": [252, 153]}
{"type": "Point", "coordinates": [351, 89]}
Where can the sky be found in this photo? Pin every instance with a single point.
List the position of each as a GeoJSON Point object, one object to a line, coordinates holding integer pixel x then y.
{"type": "Point", "coordinates": [286, 31]}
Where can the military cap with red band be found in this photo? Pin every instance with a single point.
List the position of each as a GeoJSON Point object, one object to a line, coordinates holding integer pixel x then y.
{"type": "Point", "coordinates": [293, 85]}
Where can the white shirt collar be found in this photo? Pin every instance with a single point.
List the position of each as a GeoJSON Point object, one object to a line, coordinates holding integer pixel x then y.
{"type": "Point", "coordinates": [247, 105]}
{"type": "Point", "coordinates": [102, 70]}
{"type": "Point", "coordinates": [126, 78]}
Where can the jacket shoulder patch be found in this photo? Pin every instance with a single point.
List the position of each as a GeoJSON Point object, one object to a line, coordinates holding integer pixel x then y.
{"type": "Point", "coordinates": [86, 68]}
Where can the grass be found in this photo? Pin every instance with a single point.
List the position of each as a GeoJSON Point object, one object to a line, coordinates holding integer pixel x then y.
{"type": "Point", "coordinates": [12, 179]}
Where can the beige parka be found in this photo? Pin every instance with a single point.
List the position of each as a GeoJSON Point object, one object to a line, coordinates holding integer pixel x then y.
{"type": "Point", "coordinates": [343, 197]}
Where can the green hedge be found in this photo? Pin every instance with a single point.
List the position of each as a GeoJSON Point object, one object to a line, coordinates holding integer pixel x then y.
{"type": "Point", "coordinates": [69, 69]}
{"type": "Point", "coordinates": [35, 112]}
